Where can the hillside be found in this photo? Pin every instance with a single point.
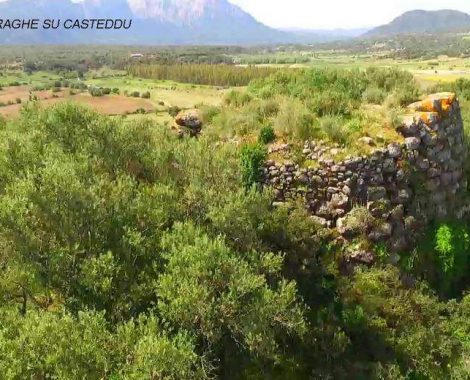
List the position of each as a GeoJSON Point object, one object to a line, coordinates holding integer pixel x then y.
{"type": "Point", "coordinates": [420, 21]}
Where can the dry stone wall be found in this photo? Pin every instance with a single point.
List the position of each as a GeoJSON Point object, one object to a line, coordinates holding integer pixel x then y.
{"type": "Point", "coordinates": [403, 185]}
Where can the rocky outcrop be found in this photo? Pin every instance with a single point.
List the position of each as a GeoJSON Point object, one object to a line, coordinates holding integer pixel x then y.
{"type": "Point", "coordinates": [402, 186]}
{"type": "Point", "coordinates": [189, 122]}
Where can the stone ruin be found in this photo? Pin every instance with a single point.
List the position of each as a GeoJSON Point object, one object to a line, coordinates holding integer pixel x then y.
{"type": "Point", "coordinates": [404, 185]}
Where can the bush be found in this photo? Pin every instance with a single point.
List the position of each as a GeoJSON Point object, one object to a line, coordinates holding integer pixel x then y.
{"type": "Point", "coordinates": [332, 103]}
{"type": "Point", "coordinates": [140, 111]}
{"type": "Point", "coordinates": [252, 159]}
{"type": "Point", "coordinates": [452, 244]}
{"type": "Point", "coordinates": [106, 91]}
{"type": "Point", "coordinates": [174, 111]}
{"type": "Point", "coordinates": [335, 129]}
{"type": "Point", "coordinates": [115, 91]}
{"type": "Point", "coordinates": [237, 98]}
{"type": "Point", "coordinates": [294, 120]}
{"type": "Point", "coordinates": [373, 95]}
{"type": "Point", "coordinates": [267, 135]}
{"type": "Point", "coordinates": [403, 96]}
{"type": "Point", "coordinates": [18, 100]}
{"type": "Point", "coordinates": [145, 95]}
{"type": "Point", "coordinates": [56, 89]}
{"type": "Point", "coordinates": [135, 94]}
{"type": "Point", "coordinates": [208, 113]}
{"type": "Point", "coordinates": [95, 91]}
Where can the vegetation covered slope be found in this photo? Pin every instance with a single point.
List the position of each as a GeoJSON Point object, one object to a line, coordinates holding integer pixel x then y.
{"type": "Point", "coordinates": [130, 254]}
{"type": "Point", "coordinates": [420, 21]}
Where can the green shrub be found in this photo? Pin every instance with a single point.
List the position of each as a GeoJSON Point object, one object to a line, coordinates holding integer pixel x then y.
{"type": "Point", "coordinates": [252, 158]}
{"type": "Point", "coordinates": [208, 113]}
{"type": "Point", "coordinates": [404, 96]}
{"type": "Point", "coordinates": [106, 91]}
{"type": "Point", "coordinates": [374, 95]}
{"type": "Point", "coordinates": [336, 129]}
{"type": "Point", "coordinates": [95, 91]}
{"type": "Point", "coordinates": [294, 120]}
{"type": "Point", "coordinates": [442, 257]}
{"type": "Point", "coordinates": [237, 99]}
{"type": "Point", "coordinates": [267, 135]}
{"type": "Point", "coordinates": [174, 111]}
{"type": "Point", "coordinates": [332, 103]}
{"type": "Point", "coordinates": [56, 89]}
{"type": "Point", "coordinates": [140, 111]}
{"type": "Point", "coordinates": [135, 94]}
{"type": "Point", "coordinates": [452, 244]}
{"type": "Point", "coordinates": [145, 95]}
{"type": "Point", "coordinates": [18, 100]}
{"type": "Point", "coordinates": [115, 91]}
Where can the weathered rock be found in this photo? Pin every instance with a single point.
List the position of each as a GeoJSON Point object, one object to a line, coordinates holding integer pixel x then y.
{"type": "Point", "coordinates": [376, 193]}
{"type": "Point", "coordinates": [362, 257]}
{"type": "Point", "coordinates": [397, 246]}
{"type": "Point", "coordinates": [412, 143]}
{"type": "Point", "coordinates": [381, 232]}
{"type": "Point", "coordinates": [340, 200]}
{"type": "Point", "coordinates": [191, 120]}
{"type": "Point", "coordinates": [394, 150]}
{"type": "Point", "coordinates": [320, 221]}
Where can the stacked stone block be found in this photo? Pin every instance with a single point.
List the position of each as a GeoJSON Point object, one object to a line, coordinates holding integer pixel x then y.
{"type": "Point", "coordinates": [403, 185]}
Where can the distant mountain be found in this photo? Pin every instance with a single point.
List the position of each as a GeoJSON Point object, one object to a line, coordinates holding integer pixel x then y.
{"type": "Point", "coordinates": [163, 22]}
{"type": "Point", "coordinates": [326, 35]}
{"type": "Point", "coordinates": [419, 21]}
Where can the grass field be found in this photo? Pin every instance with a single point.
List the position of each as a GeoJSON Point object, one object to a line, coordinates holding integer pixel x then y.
{"type": "Point", "coordinates": [163, 94]}
{"type": "Point", "coordinates": [170, 93]}
{"type": "Point", "coordinates": [109, 105]}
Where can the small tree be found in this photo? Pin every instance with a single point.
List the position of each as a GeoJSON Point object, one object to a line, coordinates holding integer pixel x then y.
{"type": "Point", "coordinates": [267, 135]}
{"type": "Point", "coordinates": [252, 159]}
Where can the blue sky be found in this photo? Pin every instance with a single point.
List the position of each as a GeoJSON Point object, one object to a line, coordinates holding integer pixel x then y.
{"type": "Point", "coordinates": [330, 14]}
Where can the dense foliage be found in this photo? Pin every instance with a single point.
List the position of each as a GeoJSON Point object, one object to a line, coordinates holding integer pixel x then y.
{"type": "Point", "coordinates": [215, 75]}
{"type": "Point", "coordinates": [130, 254]}
{"type": "Point", "coordinates": [337, 105]}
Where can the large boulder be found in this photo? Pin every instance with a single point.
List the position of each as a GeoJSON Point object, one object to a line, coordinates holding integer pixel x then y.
{"type": "Point", "coordinates": [189, 122]}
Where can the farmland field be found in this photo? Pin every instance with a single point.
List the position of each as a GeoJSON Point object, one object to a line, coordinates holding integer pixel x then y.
{"type": "Point", "coordinates": [163, 94]}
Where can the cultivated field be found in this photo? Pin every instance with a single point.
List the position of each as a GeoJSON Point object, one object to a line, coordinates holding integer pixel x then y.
{"type": "Point", "coordinates": [19, 88]}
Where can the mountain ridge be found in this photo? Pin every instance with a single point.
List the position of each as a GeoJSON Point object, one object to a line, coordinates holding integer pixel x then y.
{"type": "Point", "coordinates": [155, 22]}
{"type": "Point", "coordinates": [422, 21]}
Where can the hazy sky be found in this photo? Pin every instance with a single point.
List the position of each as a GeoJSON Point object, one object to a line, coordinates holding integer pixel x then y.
{"type": "Point", "coordinates": [329, 14]}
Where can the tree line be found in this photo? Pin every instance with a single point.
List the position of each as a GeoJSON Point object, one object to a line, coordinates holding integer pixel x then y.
{"type": "Point", "coordinates": [203, 74]}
